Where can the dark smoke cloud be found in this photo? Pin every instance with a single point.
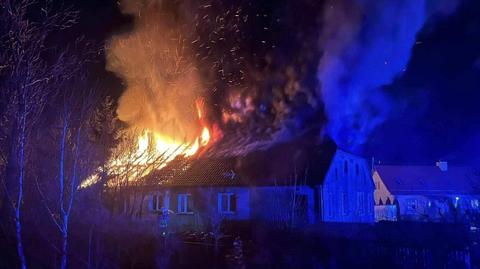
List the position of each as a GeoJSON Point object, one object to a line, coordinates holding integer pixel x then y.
{"type": "Point", "coordinates": [261, 61]}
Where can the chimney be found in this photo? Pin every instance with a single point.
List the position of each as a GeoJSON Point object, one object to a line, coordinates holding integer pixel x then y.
{"type": "Point", "coordinates": [443, 165]}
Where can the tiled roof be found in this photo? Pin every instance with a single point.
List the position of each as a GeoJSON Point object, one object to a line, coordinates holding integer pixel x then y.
{"type": "Point", "coordinates": [429, 180]}
{"type": "Point", "coordinates": [274, 166]}
{"type": "Point", "coordinates": [182, 172]}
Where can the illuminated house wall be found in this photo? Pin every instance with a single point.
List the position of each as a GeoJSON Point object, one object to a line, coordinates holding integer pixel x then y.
{"type": "Point", "coordinates": [426, 193]}
{"type": "Point", "coordinates": [193, 207]}
{"type": "Point", "coordinates": [347, 191]}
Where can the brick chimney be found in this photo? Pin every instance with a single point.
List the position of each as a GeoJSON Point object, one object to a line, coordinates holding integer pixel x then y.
{"type": "Point", "coordinates": [443, 165]}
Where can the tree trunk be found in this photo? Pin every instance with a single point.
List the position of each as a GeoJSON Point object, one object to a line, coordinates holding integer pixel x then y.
{"type": "Point", "coordinates": [90, 236]}
{"type": "Point", "coordinates": [64, 229]}
{"type": "Point", "coordinates": [63, 264]}
{"type": "Point", "coordinates": [21, 175]}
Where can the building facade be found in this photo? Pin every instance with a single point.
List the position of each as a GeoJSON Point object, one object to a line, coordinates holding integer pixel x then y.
{"type": "Point", "coordinates": [347, 191]}
{"type": "Point", "coordinates": [437, 193]}
{"type": "Point", "coordinates": [299, 190]}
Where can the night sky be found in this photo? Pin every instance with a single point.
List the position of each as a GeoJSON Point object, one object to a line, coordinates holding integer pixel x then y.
{"type": "Point", "coordinates": [439, 116]}
{"type": "Point", "coordinates": [435, 114]}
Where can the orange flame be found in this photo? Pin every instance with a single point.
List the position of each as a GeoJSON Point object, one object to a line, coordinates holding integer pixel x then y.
{"type": "Point", "coordinates": [205, 138]}
{"type": "Point", "coordinates": [154, 151]}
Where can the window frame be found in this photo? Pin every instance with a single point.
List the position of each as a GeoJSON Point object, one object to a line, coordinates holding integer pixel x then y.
{"type": "Point", "coordinates": [361, 203]}
{"type": "Point", "coordinates": [345, 204]}
{"type": "Point", "coordinates": [474, 204]}
{"type": "Point", "coordinates": [183, 203]}
{"type": "Point", "coordinates": [411, 206]}
{"type": "Point", "coordinates": [159, 202]}
{"type": "Point", "coordinates": [229, 196]}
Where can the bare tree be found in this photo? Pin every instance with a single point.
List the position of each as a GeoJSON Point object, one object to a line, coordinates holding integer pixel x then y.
{"type": "Point", "coordinates": [71, 143]}
{"type": "Point", "coordinates": [214, 217]}
{"type": "Point", "coordinates": [285, 202]}
{"type": "Point", "coordinates": [27, 86]}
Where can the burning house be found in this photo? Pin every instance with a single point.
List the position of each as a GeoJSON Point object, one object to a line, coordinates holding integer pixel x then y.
{"type": "Point", "coordinates": [290, 184]}
{"type": "Point", "coordinates": [193, 87]}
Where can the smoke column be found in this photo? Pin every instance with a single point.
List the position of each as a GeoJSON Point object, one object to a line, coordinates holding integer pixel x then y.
{"type": "Point", "coordinates": [366, 44]}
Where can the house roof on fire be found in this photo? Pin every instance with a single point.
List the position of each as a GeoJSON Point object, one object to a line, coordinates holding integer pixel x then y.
{"type": "Point", "coordinates": [429, 180]}
{"type": "Point", "coordinates": [283, 164]}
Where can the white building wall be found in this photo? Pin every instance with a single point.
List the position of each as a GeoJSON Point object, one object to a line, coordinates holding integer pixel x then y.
{"type": "Point", "coordinates": [347, 192]}
{"type": "Point", "coordinates": [381, 192]}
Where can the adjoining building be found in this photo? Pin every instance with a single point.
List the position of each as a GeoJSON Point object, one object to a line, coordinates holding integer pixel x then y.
{"type": "Point", "coordinates": [439, 193]}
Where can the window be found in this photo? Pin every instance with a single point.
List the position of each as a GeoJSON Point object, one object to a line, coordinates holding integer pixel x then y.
{"type": "Point", "coordinates": [156, 202]}
{"type": "Point", "coordinates": [185, 203]}
{"type": "Point", "coordinates": [360, 203]}
{"type": "Point", "coordinates": [345, 167]}
{"type": "Point", "coordinates": [227, 202]}
{"type": "Point", "coordinates": [331, 204]}
{"type": "Point", "coordinates": [411, 206]}
{"type": "Point", "coordinates": [475, 203]}
{"type": "Point", "coordinates": [345, 203]}
{"type": "Point", "coordinates": [357, 169]}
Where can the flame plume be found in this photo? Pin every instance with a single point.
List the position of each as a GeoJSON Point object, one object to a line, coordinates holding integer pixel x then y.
{"type": "Point", "coordinates": [152, 151]}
